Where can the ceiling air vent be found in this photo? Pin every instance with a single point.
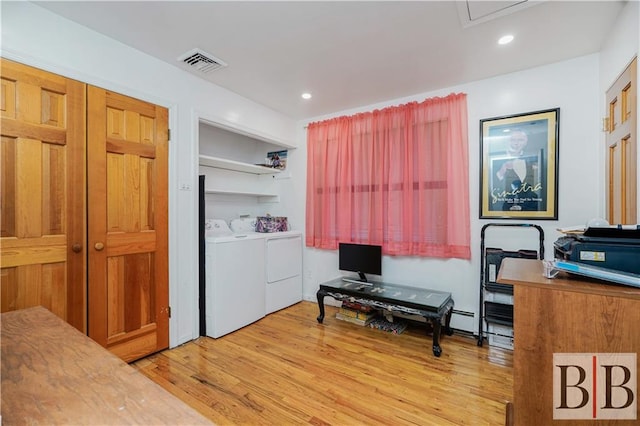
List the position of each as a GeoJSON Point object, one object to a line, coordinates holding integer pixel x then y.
{"type": "Point", "coordinates": [202, 61]}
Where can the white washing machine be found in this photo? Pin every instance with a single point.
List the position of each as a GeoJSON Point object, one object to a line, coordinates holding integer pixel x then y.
{"type": "Point", "coordinates": [235, 281]}
{"type": "Point", "coordinates": [283, 269]}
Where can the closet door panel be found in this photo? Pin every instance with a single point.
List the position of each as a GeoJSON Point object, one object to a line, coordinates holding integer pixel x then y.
{"type": "Point", "coordinates": [132, 303]}
{"type": "Point", "coordinates": [8, 187]}
{"type": "Point", "coordinates": [128, 224]}
{"type": "Point", "coordinates": [42, 160]}
{"type": "Point", "coordinates": [35, 285]}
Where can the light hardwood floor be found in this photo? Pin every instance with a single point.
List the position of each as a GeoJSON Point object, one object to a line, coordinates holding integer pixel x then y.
{"type": "Point", "coordinates": [288, 369]}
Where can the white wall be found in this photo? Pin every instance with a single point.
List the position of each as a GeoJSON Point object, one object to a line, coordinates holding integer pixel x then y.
{"type": "Point", "coordinates": [573, 87]}
{"type": "Point", "coordinates": [37, 37]}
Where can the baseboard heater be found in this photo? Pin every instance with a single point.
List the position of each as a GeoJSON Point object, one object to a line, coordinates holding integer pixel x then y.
{"type": "Point", "coordinates": [464, 313]}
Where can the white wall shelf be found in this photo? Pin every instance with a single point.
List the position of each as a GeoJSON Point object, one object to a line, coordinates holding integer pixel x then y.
{"type": "Point", "coordinates": [237, 166]}
{"type": "Point", "coordinates": [262, 196]}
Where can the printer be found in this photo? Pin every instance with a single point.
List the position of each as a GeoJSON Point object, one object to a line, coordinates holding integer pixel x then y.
{"type": "Point", "coordinates": [612, 248]}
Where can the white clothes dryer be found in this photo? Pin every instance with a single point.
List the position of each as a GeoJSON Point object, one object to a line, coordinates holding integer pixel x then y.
{"type": "Point", "coordinates": [283, 269]}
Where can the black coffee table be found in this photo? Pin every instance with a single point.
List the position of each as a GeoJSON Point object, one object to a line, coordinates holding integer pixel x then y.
{"type": "Point", "coordinates": [435, 306]}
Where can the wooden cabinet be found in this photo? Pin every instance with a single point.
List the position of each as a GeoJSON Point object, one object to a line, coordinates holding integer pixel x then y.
{"type": "Point", "coordinates": [98, 261]}
{"type": "Point", "coordinates": [564, 315]}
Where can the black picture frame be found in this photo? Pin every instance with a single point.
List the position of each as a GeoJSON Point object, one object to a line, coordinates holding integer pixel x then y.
{"type": "Point", "coordinates": [519, 166]}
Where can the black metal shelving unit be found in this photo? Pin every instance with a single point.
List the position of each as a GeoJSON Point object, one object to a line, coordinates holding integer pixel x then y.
{"type": "Point", "coordinates": [499, 311]}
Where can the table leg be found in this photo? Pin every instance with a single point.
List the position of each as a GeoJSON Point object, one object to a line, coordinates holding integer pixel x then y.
{"type": "Point", "coordinates": [447, 327]}
{"type": "Point", "coordinates": [320, 295]}
{"type": "Point", "coordinates": [436, 323]}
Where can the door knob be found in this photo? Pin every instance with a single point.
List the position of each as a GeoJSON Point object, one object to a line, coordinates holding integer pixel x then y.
{"type": "Point", "coordinates": [77, 248]}
{"type": "Point", "coordinates": [99, 246]}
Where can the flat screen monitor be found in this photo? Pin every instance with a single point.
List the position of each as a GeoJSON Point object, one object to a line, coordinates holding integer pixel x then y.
{"type": "Point", "coordinates": [360, 258]}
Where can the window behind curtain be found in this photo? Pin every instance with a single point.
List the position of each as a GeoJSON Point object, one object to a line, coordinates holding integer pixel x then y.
{"type": "Point", "coordinates": [396, 177]}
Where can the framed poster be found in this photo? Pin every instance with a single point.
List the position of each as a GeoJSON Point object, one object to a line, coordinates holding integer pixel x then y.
{"type": "Point", "coordinates": [519, 166]}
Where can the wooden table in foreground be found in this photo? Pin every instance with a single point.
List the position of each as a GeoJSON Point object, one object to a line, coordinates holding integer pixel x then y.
{"type": "Point", "coordinates": [53, 374]}
{"type": "Point", "coordinates": [565, 315]}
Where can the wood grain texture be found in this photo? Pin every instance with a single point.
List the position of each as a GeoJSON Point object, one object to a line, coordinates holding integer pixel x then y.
{"type": "Point", "coordinates": [563, 315]}
{"type": "Point", "coordinates": [8, 187]}
{"type": "Point", "coordinates": [53, 374]}
{"type": "Point", "coordinates": [14, 128]}
{"type": "Point", "coordinates": [288, 369]}
{"type": "Point", "coordinates": [43, 191]}
{"type": "Point", "coordinates": [621, 138]}
{"type": "Point", "coordinates": [128, 191]}
{"type": "Point", "coordinates": [7, 97]}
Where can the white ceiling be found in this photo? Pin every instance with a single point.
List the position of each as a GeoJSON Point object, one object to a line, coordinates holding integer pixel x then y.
{"type": "Point", "coordinates": [350, 54]}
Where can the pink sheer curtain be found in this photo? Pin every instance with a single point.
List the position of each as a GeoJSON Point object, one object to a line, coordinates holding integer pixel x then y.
{"type": "Point", "coordinates": [396, 177]}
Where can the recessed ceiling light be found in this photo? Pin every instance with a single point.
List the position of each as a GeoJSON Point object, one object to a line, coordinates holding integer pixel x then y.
{"type": "Point", "coordinates": [505, 39]}
{"type": "Point", "coordinates": [306, 96]}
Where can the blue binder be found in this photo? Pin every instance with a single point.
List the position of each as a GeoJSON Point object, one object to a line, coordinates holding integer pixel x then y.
{"type": "Point", "coordinates": [619, 277]}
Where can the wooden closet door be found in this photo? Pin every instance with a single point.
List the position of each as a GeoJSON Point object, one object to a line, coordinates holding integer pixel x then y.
{"type": "Point", "coordinates": [128, 241]}
{"type": "Point", "coordinates": [42, 163]}
{"type": "Point", "coordinates": [622, 147]}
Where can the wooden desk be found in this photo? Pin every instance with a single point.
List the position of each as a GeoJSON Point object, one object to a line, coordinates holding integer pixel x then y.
{"type": "Point", "coordinates": [53, 374]}
{"type": "Point", "coordinates": [563, 315]}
